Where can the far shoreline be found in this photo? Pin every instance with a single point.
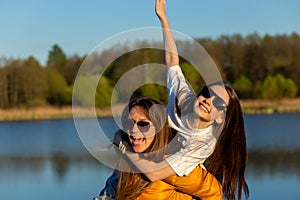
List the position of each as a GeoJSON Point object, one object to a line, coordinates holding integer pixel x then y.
{"type": "Point", "coordinates": [271, 106]}
{"type": "Point", "coordinates": [52, 112]}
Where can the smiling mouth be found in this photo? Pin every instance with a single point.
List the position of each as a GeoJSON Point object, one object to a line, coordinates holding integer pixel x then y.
{"type": "Point", "coordinates": [202, 107]}
{"type": "Point", "coordinates": [137, 140]}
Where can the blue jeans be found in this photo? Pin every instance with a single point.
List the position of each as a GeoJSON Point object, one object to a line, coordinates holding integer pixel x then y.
{"type": "Point", "coordinates": [109, 191]}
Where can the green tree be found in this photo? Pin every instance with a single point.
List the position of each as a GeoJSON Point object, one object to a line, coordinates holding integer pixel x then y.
{"type": "Point", "coordinates": [12, 83]}
{"type": "Point", "coordinates": [193, 76]}
{"type": "Point", "coordinates": [216, 51]}
{"type": "Point", "coordinates": [71, 68]}
{"type": "Point", "coordinates": [58, 60]}
{"type": "Point", "coordinates": [103, 96]}
{"type": "Point", "coordinates": [292, 90]}
{"type": "Point", "coordinates": [154, 90]}
{"type": "Point", "coordinates": [254, 61]}
{"type": "Point", "coordinates": [4, 96]}
{"type": "Point", "coordinates": [293, 69]}
{"type": "Point", "coordinates": [243, 87]}
{"type": "Point", "coordinates": [83, 94]}
{"type": "Point", "coordinates": [23, 82]}
{"type": "Point", "coordinates": [59, 93]}
{"type": "Point", "coordinates": [33, 83]}
{"type": "Point", "coordinates": [278, 87]}
{"type": "Point", "coordinates": [56, 57]}
{"type": "Point", "coordinates": [86, 95]}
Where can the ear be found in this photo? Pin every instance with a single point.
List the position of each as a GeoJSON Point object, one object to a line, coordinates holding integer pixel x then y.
{"type": "Point", "coordinates": [219, 120]}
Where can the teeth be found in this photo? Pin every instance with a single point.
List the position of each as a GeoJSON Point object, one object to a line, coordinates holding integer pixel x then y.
{"type": "Point", "coordinates": [204, 108]}
{"type": "Point", "coordinates": [137, 140]}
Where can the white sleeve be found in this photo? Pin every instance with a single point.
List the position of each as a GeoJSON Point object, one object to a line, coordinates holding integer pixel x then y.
{"type": "Point", "coordinates": [180, 97]}
{"type": "Point", "coordinates": [177, 85]}
{"type": "Point", "coordinates": [182, 164]}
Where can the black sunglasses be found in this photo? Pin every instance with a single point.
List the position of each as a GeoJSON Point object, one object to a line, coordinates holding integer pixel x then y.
{"type": "Point", "coordinates": [218, 102]}
{"type": "Point", "coordinates": [143, 126]}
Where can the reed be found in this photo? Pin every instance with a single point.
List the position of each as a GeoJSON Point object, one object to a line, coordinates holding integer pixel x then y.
{"type": "Point", "coordinates": [51, 112]}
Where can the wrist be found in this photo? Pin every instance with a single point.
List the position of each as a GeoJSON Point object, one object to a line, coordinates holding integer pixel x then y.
{"type": "Point", "coordinates": [163, 18]}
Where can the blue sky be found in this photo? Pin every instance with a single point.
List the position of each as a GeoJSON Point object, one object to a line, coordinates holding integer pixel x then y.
{"type": "Point", "coordinates": [32, 27]}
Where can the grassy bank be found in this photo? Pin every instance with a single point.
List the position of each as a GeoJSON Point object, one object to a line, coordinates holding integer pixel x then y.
{"type": "Point", "coordinates": [48, 112]}
{"type": "Point", "coordinates": [270, 107]}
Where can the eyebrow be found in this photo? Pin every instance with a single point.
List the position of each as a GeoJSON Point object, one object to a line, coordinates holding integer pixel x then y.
{"type": "Point", "coordinates": [140, 120]}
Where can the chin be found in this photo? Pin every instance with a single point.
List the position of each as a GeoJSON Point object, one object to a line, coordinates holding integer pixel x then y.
{"type": "Point", "coordinates": [204, 118]}
{"type": "Point", "coordinates": [201, 115]}
{"type": "Point", "coordinates": [138, 150]}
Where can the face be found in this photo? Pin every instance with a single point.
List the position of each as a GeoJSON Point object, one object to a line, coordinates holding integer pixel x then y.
{"type": "Point", "coordinates": [141, 130]}
{"type": "Point", "coordinates": [211, 104]}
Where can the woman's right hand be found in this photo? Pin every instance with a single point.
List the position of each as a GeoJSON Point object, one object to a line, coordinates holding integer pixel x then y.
{"type": "Point", "coordinates": [171, 53]}
{"type": "Point", "coordinates": [121, 143]}
{"type": "Point", "coordinates": [160, 8]}
{"type": "Point", "coordinates": [118, 137]}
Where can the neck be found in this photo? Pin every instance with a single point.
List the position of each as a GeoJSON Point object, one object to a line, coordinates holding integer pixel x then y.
{"type": "Point", "coordinates": [203, 124]}
{"type": "Point", "coordinates": [198, 123]}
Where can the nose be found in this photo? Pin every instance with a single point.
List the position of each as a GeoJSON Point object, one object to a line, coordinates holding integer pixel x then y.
{"type": "Point", "coordinates": [134, 128]}
{"type": "Point", "coordinates": [206, 100]}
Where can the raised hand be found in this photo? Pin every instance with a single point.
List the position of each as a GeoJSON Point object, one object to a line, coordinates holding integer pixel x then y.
{"type": "Point", "coordinates": [171, 54]}
{"type": "Point", "coordinates": [160, 8]}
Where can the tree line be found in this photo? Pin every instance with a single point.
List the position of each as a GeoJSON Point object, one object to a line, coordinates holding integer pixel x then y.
{"type": "Point", "coordinates": [258, 67]}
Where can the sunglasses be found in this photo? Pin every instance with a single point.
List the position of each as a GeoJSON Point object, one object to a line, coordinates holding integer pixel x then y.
{"type": "Point", "coordinates": [218, 102]}
{"type": "Point", "coordinates": [143, 126]}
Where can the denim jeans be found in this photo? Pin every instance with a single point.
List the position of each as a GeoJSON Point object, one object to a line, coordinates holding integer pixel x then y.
{"type": "Point", "coordinates": [109, 191]}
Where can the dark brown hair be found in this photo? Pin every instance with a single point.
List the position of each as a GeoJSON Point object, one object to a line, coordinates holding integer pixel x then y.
{"type": "Point", "coordinates": [132, 184]}
{"type": "Point", "coordinates": [229, 159]}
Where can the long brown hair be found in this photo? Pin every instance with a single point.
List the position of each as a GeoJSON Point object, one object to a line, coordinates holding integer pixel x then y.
{"type": "Point", "coordinates": [132, 184]}
{"type": "Point", "coordinates": [228, 161]}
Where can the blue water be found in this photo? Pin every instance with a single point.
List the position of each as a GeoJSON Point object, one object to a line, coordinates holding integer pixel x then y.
{"type": "Point", "coordinates": [273, 131]}
{"type": "Point", "coordinates": [46, 159]}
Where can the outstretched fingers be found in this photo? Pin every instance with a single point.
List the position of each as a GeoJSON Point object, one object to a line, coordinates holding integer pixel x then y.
{"type": "Point", "coordinates": [160, 8]}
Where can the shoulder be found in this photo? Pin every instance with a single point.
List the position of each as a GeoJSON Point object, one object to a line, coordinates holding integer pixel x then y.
{"type": "Point", "coordinates": [174, 68]}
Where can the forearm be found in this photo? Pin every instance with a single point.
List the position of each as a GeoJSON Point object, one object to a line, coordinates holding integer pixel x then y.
{"type": "Point", "coordinates": [171, 53]}
{"type": "Point", "coordinates": [152, 170]}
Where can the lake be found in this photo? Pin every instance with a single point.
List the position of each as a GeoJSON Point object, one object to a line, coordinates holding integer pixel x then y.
{"type": "Point", "coordinates": [47, 160]}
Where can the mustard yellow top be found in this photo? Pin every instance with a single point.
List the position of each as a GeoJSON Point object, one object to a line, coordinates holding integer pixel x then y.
{"type": "Point", "coordinates": [160, 190]}
{"type": "Point", "coordinates": [198, 183]}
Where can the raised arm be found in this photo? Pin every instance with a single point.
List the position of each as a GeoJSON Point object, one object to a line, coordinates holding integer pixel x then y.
{"type": "Point", "coordinates": [171, 53]}
{"type": "Point", "coordinates": [152, 170]}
